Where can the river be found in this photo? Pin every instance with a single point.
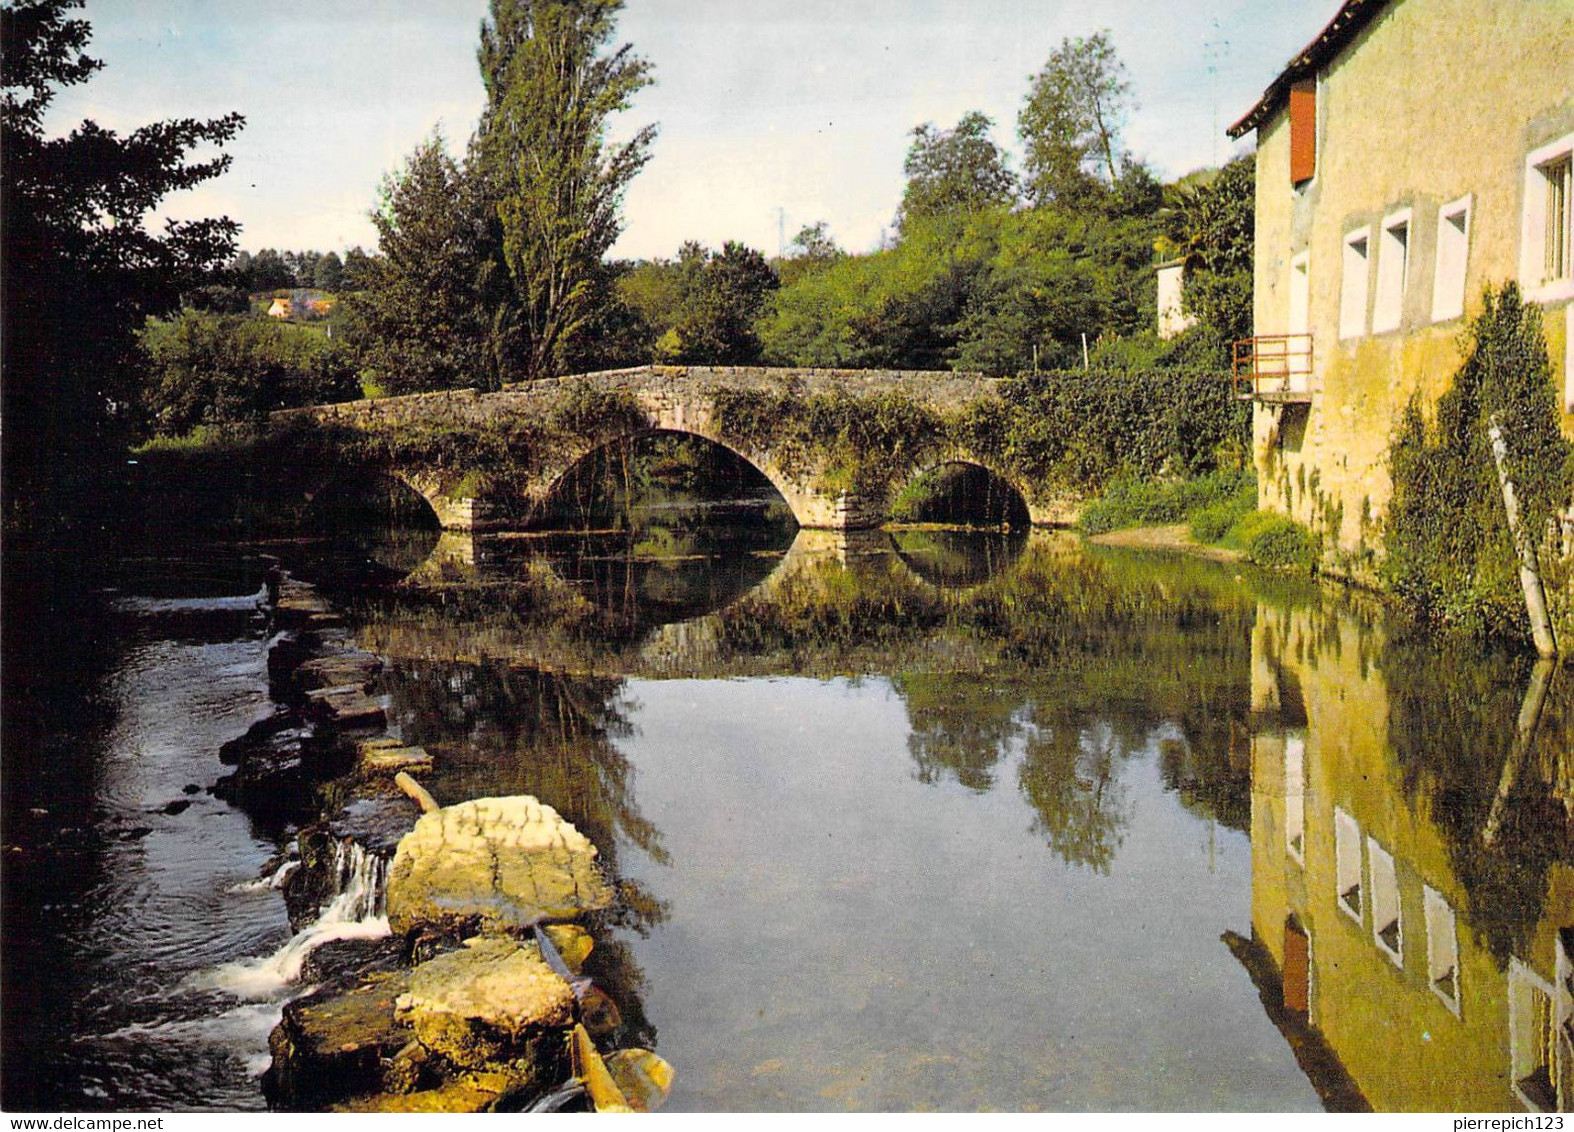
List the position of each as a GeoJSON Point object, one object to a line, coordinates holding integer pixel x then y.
{"type": "Point", "coordinates": [900, 820]}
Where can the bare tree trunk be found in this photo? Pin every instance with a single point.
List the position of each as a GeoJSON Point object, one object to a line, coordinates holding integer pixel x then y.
{"type": "Point", "coordinates": [1529, 575]}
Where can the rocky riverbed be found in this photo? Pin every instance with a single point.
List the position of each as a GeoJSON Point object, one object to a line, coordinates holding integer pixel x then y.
{"type": "Point", "coordinates": [441, 945]}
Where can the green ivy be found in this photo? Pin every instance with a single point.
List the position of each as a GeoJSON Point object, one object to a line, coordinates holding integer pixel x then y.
{"type": "Point", "coordinates": [1448, 551]}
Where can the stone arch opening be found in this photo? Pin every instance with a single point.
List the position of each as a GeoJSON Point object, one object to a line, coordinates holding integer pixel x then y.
{"type": "Point", "coordinates": [655, 472]}
{"type": "Point", "coordinates": [961, 493]}
{"type": "Point", "coordinates": [662, 526]}
{"type": "Point", "coordinates": [367, 525]}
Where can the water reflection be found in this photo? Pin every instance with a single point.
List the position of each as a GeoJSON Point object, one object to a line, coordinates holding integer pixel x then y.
{"type": "Point", "coordinates": [1413, 879]}
{"type": "Point", "coordinates": [959, 558]}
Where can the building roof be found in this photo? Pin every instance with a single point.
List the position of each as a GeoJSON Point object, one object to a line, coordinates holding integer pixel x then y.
{"type": "Point", "coordinates": [1352, 16]}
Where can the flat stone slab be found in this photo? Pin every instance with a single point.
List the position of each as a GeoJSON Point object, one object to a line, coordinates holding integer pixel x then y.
{"type": "Point", "coordinates": [493, 863]}
{"type": "Point", "coordinates": [352, 667]}
{"type": "Point", "coordinates": [346, 706]}
{"type": "Point", "coordinates": [385, 756]}
{"type": "Point", "coordinates": [491, 1004]}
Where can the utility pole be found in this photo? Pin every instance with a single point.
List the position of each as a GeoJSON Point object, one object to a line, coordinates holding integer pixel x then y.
{"type": "Point", "coordinates": [1213, 51]}
{"type": "Point", "coordinates": [781, 232]}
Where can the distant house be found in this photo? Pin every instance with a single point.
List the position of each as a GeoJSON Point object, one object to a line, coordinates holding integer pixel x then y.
{"type": "Point", "coordinates": [1415, 152]}
{"type": "Point", "coordinates": [1173, 319]}
{"type": "Point", "coordinates": [280, 308]}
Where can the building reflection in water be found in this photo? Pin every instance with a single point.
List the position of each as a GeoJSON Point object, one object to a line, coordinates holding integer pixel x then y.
{"type": "Point", "coordinates": [1413, 879]}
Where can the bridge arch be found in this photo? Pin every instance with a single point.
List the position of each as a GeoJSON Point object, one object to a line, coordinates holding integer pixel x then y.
{"type": "Point", "coordinates": [764, 470]}
{"type": "Point", "coordinates": [960, 489]}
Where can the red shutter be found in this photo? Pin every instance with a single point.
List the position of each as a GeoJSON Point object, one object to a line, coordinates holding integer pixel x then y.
{"type": "Point", "coordinates": [1297, 968]}
{"type": "Point", "coordinates": [1303, 130]}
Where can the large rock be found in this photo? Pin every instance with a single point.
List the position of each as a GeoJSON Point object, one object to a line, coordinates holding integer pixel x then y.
{"type": "Point", "coordinates": [492, 1005]}
{"type": "Point", "coordinates": [334, 1044]}
{"type": "Point", "coordinates": [493, 863]}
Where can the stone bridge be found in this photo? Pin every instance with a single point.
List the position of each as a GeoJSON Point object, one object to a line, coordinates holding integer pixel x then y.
{"type": "Point", "coordinates": [441, 443]}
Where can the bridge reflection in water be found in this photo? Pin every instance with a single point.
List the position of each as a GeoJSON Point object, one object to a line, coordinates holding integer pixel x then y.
{"type": "Point", "coordinates": [1412, 868]}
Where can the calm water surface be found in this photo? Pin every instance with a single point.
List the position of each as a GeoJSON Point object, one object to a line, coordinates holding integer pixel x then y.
{"type": "Point", "coordinates": [906, 820]}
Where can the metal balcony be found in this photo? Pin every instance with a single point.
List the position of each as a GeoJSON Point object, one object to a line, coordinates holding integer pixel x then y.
{"type": "Point", "coordinates": [1273, 368]}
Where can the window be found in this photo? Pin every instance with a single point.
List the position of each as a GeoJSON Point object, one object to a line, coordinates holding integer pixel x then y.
{"type": "Point", "coordinates": [1300, 293]}
{"type": "Point", "coordinates": [1295, 796]}
{"type": "Point", "coordinates": [1303, 131]}
{"type": "Point", "coordinates": [1387, 922]}
{"type": "Point", "coordinates": [1546, 265]}
{"type": "Point", "coordinates": [1533, 1025]}
{"type": "Point", "coordinates": [1442, 948]}
{"type": "Point", "coordinates": [1347, 864]}
{"type": "Point", "coordinates": [1352, 293]}
{"type": "Point", "coordinates": [1453, 251]}
{"type": "Point", "coordinates": [1393, 271]}
{"type": "Point", "coordinates": [1555, 233]}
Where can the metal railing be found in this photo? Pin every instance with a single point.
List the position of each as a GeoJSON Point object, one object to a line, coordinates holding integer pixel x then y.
{"type": "Point", "coordinates": [1278, 366]}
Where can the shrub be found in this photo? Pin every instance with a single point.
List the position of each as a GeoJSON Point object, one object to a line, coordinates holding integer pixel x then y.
{"type": "Point", "coordinates": [1271, 539]}
{"type": "Point", "coordinates": [1448, 551]}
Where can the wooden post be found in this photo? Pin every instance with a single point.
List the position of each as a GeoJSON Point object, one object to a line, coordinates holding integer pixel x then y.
{"type": "Point", "coordinates": [1529, 576]}
{"type": "Point", "coordinates": [1524, 737]}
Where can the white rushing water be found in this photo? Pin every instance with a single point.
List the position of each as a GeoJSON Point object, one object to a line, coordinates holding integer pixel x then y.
{"type": "Point", "coordinates": [356, 911]}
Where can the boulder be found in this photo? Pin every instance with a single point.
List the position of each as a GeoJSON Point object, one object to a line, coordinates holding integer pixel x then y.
{"type": "Point", "coordinates": [493, 863]}
{"type": "Point", "coordinates": [492, 1005]}
{"type": "Point", "coordinates": [333, 1044]}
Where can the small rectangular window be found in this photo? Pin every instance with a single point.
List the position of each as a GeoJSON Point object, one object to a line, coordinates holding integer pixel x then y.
{"type": "Point", "coordinates": [1442, 948]}
{"type": "Point", "coordinates": [1393, 272]}
{"type": "Point", "coordinates": [1347, 864]}
{"type": "Point", "coordinates": [1303, 131]}
{"type": "Point", "coordinates": [1555, 237]}
{"type": "Point", "coordinates": [1453, 252]}
{"type": "Point", "coordinates": [1352, 292]}
{"type": "Point", "coordinates": [1387, 919]}
{"type": "Point", "coordinates": [1295, 796]}
{"type": "Point", "coordinates": [1546, 254]}
{"type": "Point", "coordinates": [1533, 1037]}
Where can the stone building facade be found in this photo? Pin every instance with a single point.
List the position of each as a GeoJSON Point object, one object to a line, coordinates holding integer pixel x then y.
{"type": "Point", "coordinates": [1413, 154]}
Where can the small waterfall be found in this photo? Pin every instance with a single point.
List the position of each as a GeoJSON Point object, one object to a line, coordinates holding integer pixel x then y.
{"type": "Point", "coordinates": [356, 911]}
{"type": "Point", "coordinates": [273, 881]}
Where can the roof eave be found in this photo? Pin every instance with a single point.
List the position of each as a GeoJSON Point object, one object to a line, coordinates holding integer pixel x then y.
{"type": "Point", "coordinates": [1352, 16]}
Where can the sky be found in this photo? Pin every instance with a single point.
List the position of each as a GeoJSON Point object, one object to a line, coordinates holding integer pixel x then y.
{"type": "Point", "coordinates": [772, 114]}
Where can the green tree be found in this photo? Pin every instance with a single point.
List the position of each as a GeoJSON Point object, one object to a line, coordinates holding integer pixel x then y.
{"type": "Point", "coordinates": [328, 274]}
{"type": "Point", "coordinates": [421, 319]}
{"type": "Point", "coordinates": [213, 369]}
{"type": "Point", "coordinates": [269, 272]}
{"type": "Point", "coordinates": [955, 171]}
{"type": "Point", "coordinates": [81, 272]}
{"type": "Point", "coordinates": [812, 249]}
{"type": "Point", "coordinates": [357, 268]}
{"type": "Point", "coordinates": [1071, 122]}
{"type": "Point", "coordinates": [1210, 224]}
{"type": "Point", "coordinates": [551, 179]}
{"type": "Point", "coordinates": [723, 297]}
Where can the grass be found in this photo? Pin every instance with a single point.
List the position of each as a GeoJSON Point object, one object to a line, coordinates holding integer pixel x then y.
{"type": "Point", "coordinates": [1131, 502]}
{"type": "Point", "coordinates": [1220, 509]}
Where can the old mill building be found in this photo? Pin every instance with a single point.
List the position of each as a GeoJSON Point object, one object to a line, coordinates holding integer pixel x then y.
{"type": "Point", "coordinates": [1414, 153]}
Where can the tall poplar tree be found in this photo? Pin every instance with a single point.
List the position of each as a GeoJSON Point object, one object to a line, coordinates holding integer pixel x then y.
{"type": "Point", "coordinates": [551, 177]}
{"type": "Point", "coordinates": [1071, 122]}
